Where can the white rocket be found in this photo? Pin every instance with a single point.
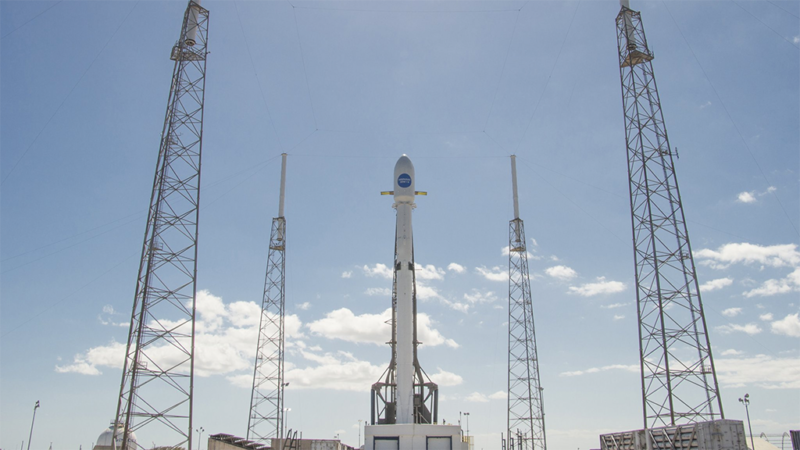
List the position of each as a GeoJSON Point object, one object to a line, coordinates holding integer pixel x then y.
{"type": "Point", "coordinates": [404, 194]}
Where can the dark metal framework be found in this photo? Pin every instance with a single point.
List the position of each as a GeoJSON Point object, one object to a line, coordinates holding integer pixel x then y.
{"type": "Point", "coordinates": [525, 403]}
{"type": "Point", "coordinates": [157, 378]}
{"type": "Point", "coordinates": [267, 400]}
{"type": "Point", "coordinates": [679, 383]}
{"type": "Point", "coordinates": [383, 408]}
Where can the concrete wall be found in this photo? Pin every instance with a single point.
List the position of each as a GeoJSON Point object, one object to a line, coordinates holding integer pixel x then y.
{"type": "Point", "coordinates": [413, 436]}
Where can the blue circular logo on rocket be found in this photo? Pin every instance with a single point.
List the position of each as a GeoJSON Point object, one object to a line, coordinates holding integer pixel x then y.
{"type": "Point", "coordinates": [404, 180]}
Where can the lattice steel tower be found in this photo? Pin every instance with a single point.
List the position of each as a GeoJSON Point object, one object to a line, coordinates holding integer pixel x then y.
{"type": "Point", "coordinates": [679, 384]}
{"type": "Point", "coordinates": [266, 401]}
{"type": "Point", "coordinates": [157, 377]}
{"type": "Point", "coordinates": [525, 421]}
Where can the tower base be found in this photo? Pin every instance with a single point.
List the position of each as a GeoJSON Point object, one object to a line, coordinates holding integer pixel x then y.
{"type": "Point", "coordinates": [413, 436]}
{"type": "Point", "coordinates": [712, 435]}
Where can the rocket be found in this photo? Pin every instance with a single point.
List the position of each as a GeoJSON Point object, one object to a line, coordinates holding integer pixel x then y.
{"type": "Point", "coordinates": [404, 194]}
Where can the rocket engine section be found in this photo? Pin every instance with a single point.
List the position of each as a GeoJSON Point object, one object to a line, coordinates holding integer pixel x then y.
{"type": "Point", "coordinates": [405, 394]}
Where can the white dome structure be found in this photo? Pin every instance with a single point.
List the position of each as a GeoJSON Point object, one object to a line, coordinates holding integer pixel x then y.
{"type": "Point", "coordinates": [104, 441]}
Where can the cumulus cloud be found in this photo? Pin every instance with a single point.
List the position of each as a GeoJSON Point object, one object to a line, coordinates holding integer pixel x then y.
{"type": "Point", "coordinates": [347, 274]}
{"type": "Point", "coordinates": [625, 368]}
{"type": "Point", "coordinates": [790, 283]}
{"type": "Point", "coordinates": [713, 285]}
{"type": "Point", "coordinates": [379, 270]}
{"type": "Point", "coordinates": [457, 268]}
{"type": "Point", "coordinates": [601, 286]}
{"type": "Point", "coordinates": [750, 328]}
{"type": "Point", "coordinates": [766, 317]}
{"type": "Point", "coordinates": [499, 395]}
{"type": "Point", "coordinates": [732, 312]}
{"type": "Point", "coordinates": [477, 397]}
{"type": "Point", "coordinates": [378, 291]}
{"type": "Point", "coordinates": [731, 352]}
{"type": "Point", "coordinates": [444, 378]}
{"type": "Point", "coordinates": [496, 273]}
{"type": "Point", "coordinates": [746, 197]}
{"type": "Point", "coordinates": [111, 355]}
{"type": "Point", "coordinates": [788, 326]}
{"type": "Point", "coordinates": [562, 273]}
{"type": "Point", "coordinates": [368, 328]}
{"type": "Point", "coordinates": [477, 296]}
{"type": "Point", "coordinates": [614, 305]}
{"type": "Point", "coordinates": [339, 371]}
{"type": "Point", "coordinates": [429, 272]}
{"type": "Point", "coordinates": [763, 371]}
{"type": "Point", "coordinates": [772, 255]}
{"type": "Point", "coordinates": [618, 317]}
{"type": "Point", "coordinates": [305, 306]}
{"type": "Point", "coordinates": [507, 250]}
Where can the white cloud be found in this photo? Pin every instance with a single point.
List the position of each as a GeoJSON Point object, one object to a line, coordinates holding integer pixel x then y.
{"type": "Point", "coordinates": [731, 352]}
{"type": "Point", "coordinates": [379, 270]}
{"type": "Point", "coordinates": [372, 328]}
{"type": "Point", "coordinates": [457, 268]}
{"type": "Point", "coordinates": [480, 297]}
{"type": "Point", "coordinates": [507, 250]}
{"type": "Point", "coordinates": [339, 371]}
{"type": "Point", "coordinates": [499, 395]}
{"type": "Point", "coordinates": [766, 317]}
{"type": "Point", "coordinates": [477, 397]}
{"type": "Point", "coordinates": [614, 305]}
{"type": "Point", "coordinates": [111, 355]}
{"type": "Point", "coordinates": [618, 317]}
{"type": "Point", "coordinates": [790, 283]}
{"type": "Point", "coordinates": [796, 40]}
{"type": "Point", "coordinates": [788, 326]}
{"type": "Point", "coordinates": [378, 291]}
{"type": "Point", "coordinates": [761, 371]}
{"type": "Point", "coordinates": [562, 273]}
{"type": "Point", "coordinates": [444, 378]}
{"type": "Point", "coordinates": [705, 105]}
{"type": "Point", "coordinates": [746, 197]}
{"type": "Point", "coordinates": [496, 273]}
{"type": "Point", "coordinates": [732, 312]}
{"type": "Point", "coordinates": [625, 368]}
{"type": "Point", "coordinates": [429, 272]}
{"type": "Point", "coordinates": [773, 255]}
{"type": "Point", "coordinates": [713, 285]}
{"type": "Point", "coordinates": [750, 328]}
{"type": "Point", "coordinates": [305, 306]}
{"type": "Point", "coordinates": [225, 340]}
{"type": "Point", "coordinates": [347, 274]}
{"type": "Point", "coordinates": [600, 287]}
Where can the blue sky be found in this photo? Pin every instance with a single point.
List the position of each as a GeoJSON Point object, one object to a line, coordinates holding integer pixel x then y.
{"type": "Point", "coordinates": [345, 88]}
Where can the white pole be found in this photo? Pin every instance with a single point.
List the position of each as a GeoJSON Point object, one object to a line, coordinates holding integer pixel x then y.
{"type": "Point", "coordinates": [283, 185]}
{"type": "Point", "coordinates": [514, 185]}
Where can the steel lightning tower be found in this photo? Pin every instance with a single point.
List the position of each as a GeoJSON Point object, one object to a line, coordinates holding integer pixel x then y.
{"type": "Point", "coordinates": [157, 377]}
{"type": "Point", "coordinates": [266, 400]}
{"type": "Point", "coordinates": [679, 384]}
{"type": "Point", "coordinates": [525, 420]}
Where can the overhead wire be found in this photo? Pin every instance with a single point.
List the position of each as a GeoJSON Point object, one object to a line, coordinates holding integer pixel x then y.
{"type": "Point", "coordinates": [13, 167]}
{"type": "Point", "coordinates": [787, 12]}
{"type": "Point", "coordinates": [762, 23]}
{"type": "Point", "coordinates": [727, 112]}
{"type": "Point", "coordinates": [255, 73]}
{"type": "Point", "coordinates": [503, 69]}
{"type": "Point", "coordinates": [31, 19]}
{"type": "Point", "coordinates": [305, 70]}
{"type": "Point", "coordinates": [552, 70]}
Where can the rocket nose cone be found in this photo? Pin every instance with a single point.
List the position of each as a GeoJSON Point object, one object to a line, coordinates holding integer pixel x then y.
{"type": "Point", "coordinates": [404, 179]}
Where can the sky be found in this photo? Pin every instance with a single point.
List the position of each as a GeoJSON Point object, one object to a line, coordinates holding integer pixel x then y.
{"type": "Point", "coordinates": [345, 88]}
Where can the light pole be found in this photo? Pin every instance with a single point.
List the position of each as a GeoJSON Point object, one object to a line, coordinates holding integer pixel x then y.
{"type": "Point", "coordinates": [359, 433]}
{"type": "Point", "coordinates": [467, 414]}
{"type": "Point", "coordinates": [746, 401]}
{"type": "Point", "coordinates": [200, 437]}
{"type": "Point", "coordinates": [35, 407]}
{"type": "Point", "coordinates": [286, 421]}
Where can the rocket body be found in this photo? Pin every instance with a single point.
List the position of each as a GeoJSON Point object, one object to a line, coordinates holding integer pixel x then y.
{"type": "Point", "coordinates": [404, 269]}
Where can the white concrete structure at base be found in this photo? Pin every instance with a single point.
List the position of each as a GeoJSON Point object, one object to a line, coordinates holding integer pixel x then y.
{"type": "Point", "coordinates": [413, 436]}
